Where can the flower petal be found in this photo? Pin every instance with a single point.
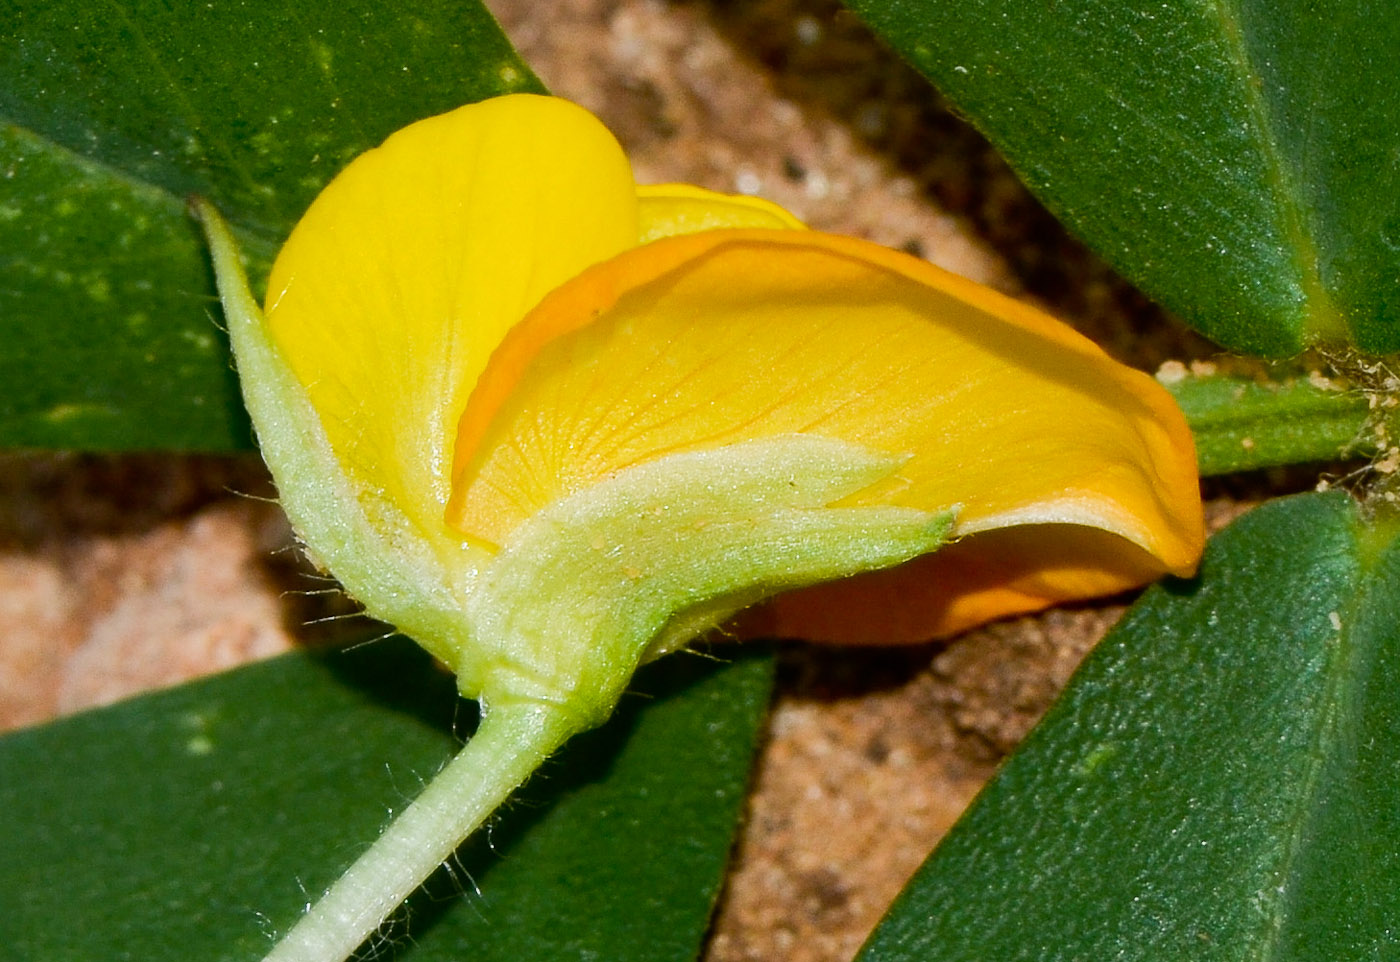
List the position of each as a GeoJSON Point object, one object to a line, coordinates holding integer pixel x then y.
{"type": "Point", "coordinates": [669, 210]}
{"type": "Point", "coordinates": [410, 267]}
{"type": "Point", "coordinates": [990, 575]}
{"type": "Point", "coordinates": [701, 341]}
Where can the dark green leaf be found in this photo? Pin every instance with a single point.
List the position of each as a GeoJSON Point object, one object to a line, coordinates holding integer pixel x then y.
{"type": "Point", "coordinates": [192, 824]}
{"type": "Point", "coordinates": [111, 115]}
{"type": "Point", "coordinates": [1220, 781]}
{"type": "Point", "coordinates": [1236, 160]}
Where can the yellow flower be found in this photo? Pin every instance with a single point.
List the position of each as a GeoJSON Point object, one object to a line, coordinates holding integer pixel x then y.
{"type": "Point", "coordinates": [486, 316]}
{"type": "Point", "coordinates": [514, 227]}
{"type": "Point", "coordinates": [551, 423]}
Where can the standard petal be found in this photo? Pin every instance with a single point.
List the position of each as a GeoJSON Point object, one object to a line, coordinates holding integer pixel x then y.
{"type": "Point", "coordinates": [700, 341]}
{"type": "Point", "coordinates": [410, 267]}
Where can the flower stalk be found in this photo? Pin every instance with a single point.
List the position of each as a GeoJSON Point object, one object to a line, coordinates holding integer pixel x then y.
{"type": "Point", "coordinates": [508, 746]}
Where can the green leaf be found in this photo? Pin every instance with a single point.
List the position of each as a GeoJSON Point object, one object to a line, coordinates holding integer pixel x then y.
{"type": "Point", "coordinates": [195, 823]}
{"type": "Point", "coordinates": [111, 115]}
{"type": "Point", "coordinates": [1236, 160]}
{"type": "Point", "coordinates": [1220, 781]}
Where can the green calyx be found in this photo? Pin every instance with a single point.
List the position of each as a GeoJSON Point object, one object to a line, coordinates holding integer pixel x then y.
{"type": "Point", "coordinates": [384, 562]}
{"type": "Point", "coordinates": [641, 563]}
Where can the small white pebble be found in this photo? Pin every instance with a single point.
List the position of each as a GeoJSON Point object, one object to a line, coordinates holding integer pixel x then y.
{"type": "Point", "coordinates": [1322, 382]}
{"type": "Point", "coordinates": [1171, 372]}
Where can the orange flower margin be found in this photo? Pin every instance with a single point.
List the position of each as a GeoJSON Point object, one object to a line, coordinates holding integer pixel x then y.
{"type": "Point", "coordinates": [550, 424]}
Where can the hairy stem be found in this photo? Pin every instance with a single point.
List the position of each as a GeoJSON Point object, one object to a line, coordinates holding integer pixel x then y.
{"type": "Point", "coordinates": [1241, 423]}
{"type": "Point", "coordinates": [512, 742]}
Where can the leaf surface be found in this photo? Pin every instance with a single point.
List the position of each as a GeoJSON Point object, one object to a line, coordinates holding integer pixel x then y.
{"type": "Point", "coordinates": [1236, 160]}
{"type": "Point", "coordinates": [1218, 782]}
{"type": "Point", "coordinates": [195, 823]}
{"type": "Point", "coordinates": [112, 114]}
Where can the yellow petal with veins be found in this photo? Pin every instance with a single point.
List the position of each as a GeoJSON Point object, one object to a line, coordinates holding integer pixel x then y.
{"type": "Point", "coordinates": [714, 338]}
{"type": "Point", "coordinates": [409, 268]}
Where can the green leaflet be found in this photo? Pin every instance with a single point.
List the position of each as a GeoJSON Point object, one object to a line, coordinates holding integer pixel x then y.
{"type": "Point", "coordinates": [1235, 160]}
{"type": "Point", "coordinates": [1218, 782]}
{"type": "Point", "coordinates": [111, 115]}
{"type": "Point", "coordinates": [186, 824]}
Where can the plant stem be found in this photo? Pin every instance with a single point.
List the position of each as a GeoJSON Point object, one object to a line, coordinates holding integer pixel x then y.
{"type": "Point", "coordinates": [1241, 423]}
{"type": "Point", "coordinates": [510, 744]}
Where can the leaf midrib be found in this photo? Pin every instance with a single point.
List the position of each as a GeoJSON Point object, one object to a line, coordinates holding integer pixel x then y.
{"type": "Point", "coordinates": [256, 241]}
{"type": "Point", "coordinates": [1333, 714]}
{"type": "Point", "coordinates": [1320, 319]}
{"type": "Point", "coordinates": [177, 93]}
